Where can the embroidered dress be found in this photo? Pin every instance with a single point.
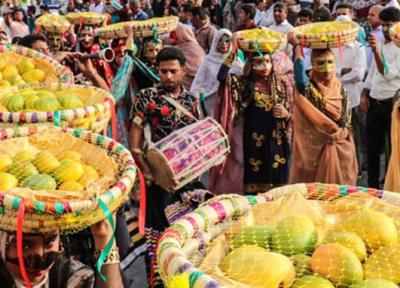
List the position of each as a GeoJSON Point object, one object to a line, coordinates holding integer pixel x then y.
{"type": "Point", "coordinates": [266, 148]}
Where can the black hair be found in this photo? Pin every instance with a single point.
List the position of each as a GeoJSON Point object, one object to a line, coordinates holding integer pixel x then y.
{"type": "Point", "coordinates": [249, 9]}
{"type": "Point", "coordinates": [282, 6]}
{"type": "Point", "coordinates": [3, 32]}
{"type": "Point", "coordinates": [173, 11]}
{"type": "Point", "coordinates": [200, 12]}
{"type": "Point", "coordinates": [187, 8]}
{"type": "Point", "coordinates": [28, 40]}
{"type": "Point", "coordinates": [44, 7]}
{"type": "Point", "coordinates": [306, 13]}
{"type": "Point", "coordinates": [16, 40]}
{"type": "Point", "coordinates": [390, 14]}
{"type": "Point", "coordinates": [344, 6]}
{"type": "Point", "coordinates": [32, 9]}
{"type": "Point", "coordinates": [18, 9]}
{"type": "Point", "coordinates": [171, 53]}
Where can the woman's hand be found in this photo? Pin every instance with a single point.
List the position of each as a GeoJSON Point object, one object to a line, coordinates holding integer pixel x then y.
{"type": "Point", "coordinates": [280, 112]}
{"type": "Point", "coordinates": [292, 38]}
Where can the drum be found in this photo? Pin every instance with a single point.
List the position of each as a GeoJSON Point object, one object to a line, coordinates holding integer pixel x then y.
{"type": "Point", "coordinates": [187, 153]}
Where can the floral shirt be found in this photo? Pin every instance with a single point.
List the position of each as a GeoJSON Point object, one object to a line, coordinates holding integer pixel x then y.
{"type": "Point", "coordinates": [151, 107]}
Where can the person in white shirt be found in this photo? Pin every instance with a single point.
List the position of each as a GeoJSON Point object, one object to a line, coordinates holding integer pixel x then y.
{"type": "Point", "coordinates": [305, 17]}
{"type": "Point", "coordinates": [267, 16]}
{"type": "Point", "coordinates": [375, 28]}
{"type": "Point", "coordinates": [97, 6]}
{"type": "Point", "coordinates": [280, 16]}
{"type": "Point", "coordinates": [351, 63]}
{"type": "Point", "coordinates": [379, 91]}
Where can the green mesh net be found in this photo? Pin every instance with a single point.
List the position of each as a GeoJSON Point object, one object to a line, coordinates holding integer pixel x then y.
{"type": "Point", "coordinates": [297, 242]}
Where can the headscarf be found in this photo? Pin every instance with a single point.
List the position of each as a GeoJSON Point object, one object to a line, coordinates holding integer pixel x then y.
{"type": "Point", "coordinates": [206, 76]}
{"type": "Point", "coordinates": [193, 52]}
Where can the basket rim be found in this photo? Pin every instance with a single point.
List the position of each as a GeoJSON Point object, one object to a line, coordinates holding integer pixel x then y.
{"type": "Point", "coordinates": [76, 17]}
{"type": "Point", "coordinates": [49, 116]}
{"type": "Point", "coordinates": [277, 43]}
{"type": "Point", "coordinates": [59, 208]}
{"type": "Point", "coordinates": [227, 207]}
{"type": "Point", "coordinates": [63, 73]}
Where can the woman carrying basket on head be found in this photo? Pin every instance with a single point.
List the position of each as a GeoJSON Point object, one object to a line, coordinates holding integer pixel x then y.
{"type": "Point", "coordinates": [323, 148]}
{"type": "Point", "coordinates": [261, 98]}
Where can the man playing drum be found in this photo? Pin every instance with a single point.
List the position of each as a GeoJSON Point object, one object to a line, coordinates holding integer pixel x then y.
{"type": "Point", "coordinates": [164, 110]}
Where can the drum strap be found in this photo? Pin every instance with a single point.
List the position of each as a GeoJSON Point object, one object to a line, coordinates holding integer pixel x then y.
{"type": "Point", "coordinates": [178, 107]}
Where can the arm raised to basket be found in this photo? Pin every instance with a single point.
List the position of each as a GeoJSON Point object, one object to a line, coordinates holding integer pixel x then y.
{"type": "Point", "coordinates": [300, 75]}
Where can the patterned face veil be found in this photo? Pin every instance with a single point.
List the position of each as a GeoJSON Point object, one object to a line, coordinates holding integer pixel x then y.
{"type": "Point", "coordinates": [55, 40]}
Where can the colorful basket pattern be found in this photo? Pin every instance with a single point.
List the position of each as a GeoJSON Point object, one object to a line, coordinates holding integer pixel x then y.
{"type": "Point", "coordinates": [64, 74]}
{"type": "Point", "coordinates": [198, 228]}
{"type": "Point", "coordinates": [263, 45]}
{"type": "Point", "coordinates": [142, 29]}
{"type": "Point", "coordinates": [395, 34]}
{"type": "Point", "coordinates": [69, 215]}
{"type": "Point", "coordinates": [94, 117]}
{"type": "Point", "coordinates": [86, 18]}
{"type": "Point", "coordinates": [333, 39]}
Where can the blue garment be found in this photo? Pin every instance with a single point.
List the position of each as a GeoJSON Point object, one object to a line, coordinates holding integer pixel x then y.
{"type": "Point", "coordinates": [300, 75]}
{"type": "Point", "coordinates": [141, 15]}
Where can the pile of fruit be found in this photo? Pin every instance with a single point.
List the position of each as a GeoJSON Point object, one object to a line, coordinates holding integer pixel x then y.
{"type": "Point", "coordinates": [45, 171]}
{"type": "Point", "coordinates": [22, 72]}
{"type": "Point", "coordinates": [325, 27]}
{"type": "Point", "coordinates": [53, 23]}
{"type": "Point", "coordinates": [86, 18]}
{"type": "Point", "coordinates": [31, 100]}
{"type": "Point", "coordinates": [361, 251]}
{"type": "Point", "coordinates": [260, 34]}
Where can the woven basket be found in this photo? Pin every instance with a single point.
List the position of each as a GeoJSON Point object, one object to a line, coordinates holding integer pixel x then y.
{"type": "Point", "coordinates": [338, 34]}
{"type": "Point", "coordinates": [68, 215]}
{"type": "Point", "coordinates": [55, 72]}
{"type": "Point", "coordinates": [53, 23]}
{"type": "Point", "coordinates": [86, 18]}
{"type": "Point", "coordinates": [395, 34]}
{"type": "Point", "coordinates": [95, 116]}
{"type": "Point", "coordinates": [191, 236]}
{"type": "Point", "coordinates": [270, 45]}
{"type": "Point", "coordinates": [142, 29]}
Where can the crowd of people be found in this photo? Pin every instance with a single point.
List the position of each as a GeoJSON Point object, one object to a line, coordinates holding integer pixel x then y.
{"type": "Point", "coordinates": [296, 115]}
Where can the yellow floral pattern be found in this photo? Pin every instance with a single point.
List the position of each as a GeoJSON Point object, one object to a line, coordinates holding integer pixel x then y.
{"type": "Point", "coordinates": [255, 164]}
{"type": "Point", "coordinates": [263, 101]}
{"type": "Point", "coordinates": [278, 161]}
{"type": "Point", "coordinates": [259, 139]}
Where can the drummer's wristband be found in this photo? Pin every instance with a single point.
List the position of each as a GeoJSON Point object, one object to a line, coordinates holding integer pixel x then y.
{"type": "Point", "coordinates": [111, 258]}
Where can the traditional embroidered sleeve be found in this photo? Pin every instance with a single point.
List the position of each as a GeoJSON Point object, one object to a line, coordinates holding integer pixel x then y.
{"type": "Point", "coordinates": [224, 70]}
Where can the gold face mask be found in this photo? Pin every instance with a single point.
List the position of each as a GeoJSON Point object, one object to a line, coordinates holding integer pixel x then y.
{"type": "Point", "coordinates": [324, 63]}
{"type": "Point", "coordinates": [54, 40]}
{"type": "Point", "coordinates": [261, 64]}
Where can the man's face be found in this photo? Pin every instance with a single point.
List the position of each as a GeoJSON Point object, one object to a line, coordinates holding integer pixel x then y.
{"type": "Point", "coordinates": [41, 46]}
{"type": "Point", "coordinates": [373, 17]}
{"type": "Point", "coordinates": [304, 21]}
{"type": "Point", "coordinates": [196, 21]}
{"type": "Point", "coordinates": [86, 38]}
{"type": "Point", "coordinates": [171, 74]}
{"type": "Point", "coordinates": [344, 12]}
{"type": "Point", "coordinates": [280, 15]}
{"type": "Point", "coordinates": [152, 51]}
{"type": "Point", "coordinates": [261, 5]}
{"type": "Point", "coordinates": [19, 16]}
{"type": "Point", "coordinates": [262, 65]}
{"type": "Point", "coordinates": [39, 252]}
{"type": "Point", "coordinates": [4, 39]}
{"type": "Point", "coordinates": [243, 16]}
{"type": "Point", "coordinates": [317, 3]}
{"type": "Point", "coordinates": [386, 28]}
{"type": "Point", "coordinates": [324, 66]}
{"type": "Point", "coordinates": [184, 17]}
